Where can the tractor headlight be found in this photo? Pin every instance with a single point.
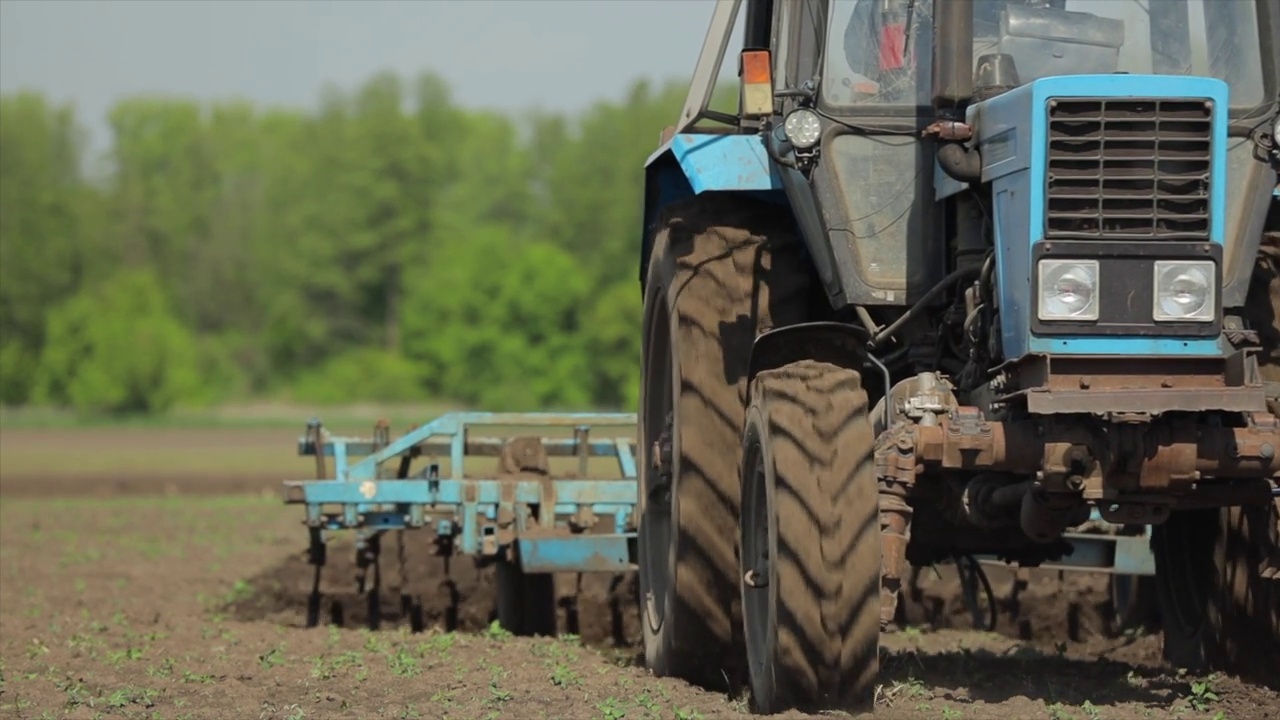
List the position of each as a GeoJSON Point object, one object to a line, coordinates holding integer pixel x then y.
{"type": "Point", "coordinates": [1068, 289]}
{"type": "Point", "coordinates": [1184, 291]}
{"type": "Point", "coordinates": [802, 128]}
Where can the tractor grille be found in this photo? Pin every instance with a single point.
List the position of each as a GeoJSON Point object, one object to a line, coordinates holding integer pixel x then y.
{"type": "Point", "coordinates": [1129, 169]}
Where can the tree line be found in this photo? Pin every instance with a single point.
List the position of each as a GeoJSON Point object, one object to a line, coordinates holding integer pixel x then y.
{"type": "Point", "coordinates": [390, 245]}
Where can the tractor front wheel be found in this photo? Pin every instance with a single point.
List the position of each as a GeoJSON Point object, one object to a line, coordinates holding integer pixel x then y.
{"type": "Point", "coordinates": [811, 545]}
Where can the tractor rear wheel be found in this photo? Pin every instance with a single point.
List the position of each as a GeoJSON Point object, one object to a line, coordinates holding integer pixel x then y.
{"type": "Point", "coordinates": [811, 546]}
{"type": "Point", "coordinates": [1217, 610]}
{"type": "Point", "coordinates": [722, 270]}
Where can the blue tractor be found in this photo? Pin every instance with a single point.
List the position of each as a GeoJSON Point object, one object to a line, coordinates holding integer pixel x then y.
{"type": "Point", "coordinates": [957, 275]}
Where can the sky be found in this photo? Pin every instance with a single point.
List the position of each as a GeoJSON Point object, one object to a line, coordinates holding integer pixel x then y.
{"type": "Point", "coordinates": [501, 54]}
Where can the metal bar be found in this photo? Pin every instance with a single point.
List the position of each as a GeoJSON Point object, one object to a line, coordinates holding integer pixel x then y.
{"type": "Point", "coordinates": [707, 71]}
{"type": "Point", "coordinates": [540, 419]}
{"type": "Point", "coordinates": [458, 492]}
{"type": "Point", "coordinates": [407, 515]}
{"type": "Point", "coordinates": [470, 540]}
{"type": "Point", "coordinates": [1117, 554]}
{"type": "Point", "coordinates": [340, 461]}
{"type": "Point", "coordinates": [626, 461]}
{"type": "Point", "coordinates": [582, 441]}
{"type": "Point", "coordinates": [455, 423]}
{"type": "Point", "coordinates": [474, 447]}
{"type": "Point", "coordinates": [315, 434]}
{"type": "Point", "coordinates": [578, 553]}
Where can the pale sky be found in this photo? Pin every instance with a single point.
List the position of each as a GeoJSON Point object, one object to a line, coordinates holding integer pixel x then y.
{"type": "Point", "coordinates": [503, 54]}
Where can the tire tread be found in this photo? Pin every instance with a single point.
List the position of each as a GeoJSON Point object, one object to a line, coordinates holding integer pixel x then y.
{"type": "Point", "coordinates": [828, 554]}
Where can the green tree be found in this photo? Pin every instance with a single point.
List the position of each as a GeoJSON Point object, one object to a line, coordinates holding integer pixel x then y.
{"type": "Point", "coordinates": [612, 329]}
{"type": "Point", "coordinates": [118, 348]}
{"type": "Point", "coordinates": [497, 322]}
{"type": "Point", "coordinates": [388, 244]}
{"type": "Point", "coordinates": [48, 220]}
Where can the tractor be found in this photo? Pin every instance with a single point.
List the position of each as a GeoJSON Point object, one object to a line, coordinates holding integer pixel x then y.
{"type": "Point", "coordinates": [956, 276]}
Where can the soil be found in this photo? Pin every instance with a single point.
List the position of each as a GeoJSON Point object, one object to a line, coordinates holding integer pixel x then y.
{"type": "Point", "coordinates": [156, 599]}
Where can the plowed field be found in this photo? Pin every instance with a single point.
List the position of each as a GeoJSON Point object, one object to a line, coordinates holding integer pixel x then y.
{"type": "Point", "coordinates": [174, 588]}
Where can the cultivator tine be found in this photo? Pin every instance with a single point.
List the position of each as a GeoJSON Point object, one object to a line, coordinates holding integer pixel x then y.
{"type": "Point", "coordinates": [316, 557]}
{"type": "Point", "coordinates": [617, 626]}
{"type": "Point", "coordinates": [314, 599]}
{"type": "Point", "coordinates": [451, 588]}
{"type": "Point", "coordinates": [572, 620]}
{"type": "Point", "coordinates": [410, 604]}
{"type": "Point", "coordinates": [973, 579]}
{"type": "Point", "coordinates": [316, 548]}
{"type": "Point", "coordinates": [369, 543]}
{"type": "Point", "coordinates": [369, 577]}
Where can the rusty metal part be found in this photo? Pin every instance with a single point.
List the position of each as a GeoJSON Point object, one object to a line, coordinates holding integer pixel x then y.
{"type": "Point", "coordinates": [949, 130]}
{"type": "Point", "coordinates": [895, 534]}
{"type": "Point", "coordinates": [661, 453]}
{"type": "Point", "coordinates": [964, 440]}
{"type": "Point", "coordinates": [1100, 458]}
{"type": "Point", "coordinates": [523, 455]}
{"type": "Point", "coordinates": [1057, 385]}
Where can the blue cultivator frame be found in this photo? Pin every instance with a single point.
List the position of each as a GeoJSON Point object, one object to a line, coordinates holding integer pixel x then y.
{"type": "Point", "coordinates": [1097, 547]}
{"type": "Point", "coordinates": [520, 512]}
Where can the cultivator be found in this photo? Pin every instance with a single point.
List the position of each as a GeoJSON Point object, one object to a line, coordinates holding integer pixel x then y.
{"type": "Point", "coordinates": [560, 498]}
{"type": "Point", "coordinates": [547, 506]}
{"type": "Point", "coordinates": [1121, 551]}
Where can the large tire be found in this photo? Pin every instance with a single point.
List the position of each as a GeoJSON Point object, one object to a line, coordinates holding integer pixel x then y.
{"type": "Point", "coordinates": [1216, 610]}
{"type": "Point", "coordinates": [722, 270]}
{"type": "Point", "coordinates": [811, 546]}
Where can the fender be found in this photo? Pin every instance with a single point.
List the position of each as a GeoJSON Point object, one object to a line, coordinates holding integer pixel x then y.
{"type": "Point", "coordinates": [840, 344]}
{"type": "Point", "coordinates": [691, 164]}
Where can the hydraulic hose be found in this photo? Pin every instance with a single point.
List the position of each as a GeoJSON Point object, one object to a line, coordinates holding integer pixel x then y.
{"type": "Point", "coordinates": [893, 327]}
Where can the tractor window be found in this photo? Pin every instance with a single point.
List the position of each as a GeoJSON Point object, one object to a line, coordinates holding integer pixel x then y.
{"type": "Point", "coordinates": [878, 52]}
{"type": "Point", "coordinates": [1214, 38]}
